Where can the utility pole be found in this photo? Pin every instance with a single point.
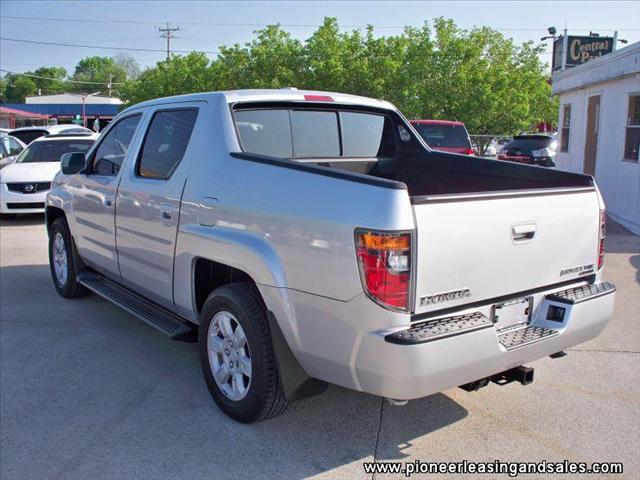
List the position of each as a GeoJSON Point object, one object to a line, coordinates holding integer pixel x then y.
{"type": "Point", "coordinates": [110, 81]}
{"type": "Point", "coordinates": [168, 33]}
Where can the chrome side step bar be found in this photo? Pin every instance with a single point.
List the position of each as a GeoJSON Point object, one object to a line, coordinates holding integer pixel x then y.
{"type": "Point", "coordinates": [158, 317]}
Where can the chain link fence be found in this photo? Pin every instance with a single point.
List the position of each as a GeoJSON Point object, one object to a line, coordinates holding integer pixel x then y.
{"type": "Point", "coordinates": [488, 145]}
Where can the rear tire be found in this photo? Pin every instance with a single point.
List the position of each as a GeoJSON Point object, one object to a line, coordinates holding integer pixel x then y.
{"type": "Point", "coordinates": [62, 261]}
{"type": "Point", "coordinates": [236, 354]}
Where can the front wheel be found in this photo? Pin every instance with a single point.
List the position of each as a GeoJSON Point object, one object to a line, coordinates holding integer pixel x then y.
{"type": "Point", "coordinates": [236, 354]}
{"type": "Point", "coordinates": [61, 261]}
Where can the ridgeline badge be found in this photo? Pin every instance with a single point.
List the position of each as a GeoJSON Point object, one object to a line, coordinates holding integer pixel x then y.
{"type": "Point", "coordinates": [444, 297]}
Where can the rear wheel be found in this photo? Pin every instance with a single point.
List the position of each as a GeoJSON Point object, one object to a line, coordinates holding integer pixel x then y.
{"type": "Point", "coordinates": [236, 354]}
{"type": "Point", "coordinates": [61, 261]}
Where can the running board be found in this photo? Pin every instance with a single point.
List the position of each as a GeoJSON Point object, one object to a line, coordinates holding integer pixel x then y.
{"type": "Point", "coordinates": [158, 317]}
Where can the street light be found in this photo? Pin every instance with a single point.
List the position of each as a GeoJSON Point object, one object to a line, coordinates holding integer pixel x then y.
{"type": "Point", "coordinates": [83, 97]}
{"type": "Point", "coordinates": [552, 33]}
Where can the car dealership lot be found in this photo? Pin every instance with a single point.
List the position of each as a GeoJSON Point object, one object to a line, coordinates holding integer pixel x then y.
{"type": "Point", "coordinates": [87, 391]}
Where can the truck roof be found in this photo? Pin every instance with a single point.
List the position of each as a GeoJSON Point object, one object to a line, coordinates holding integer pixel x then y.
{"type": "Point", "coordinates": [263, 95]}
{"type": "Point", "coordinates": [437, 122]}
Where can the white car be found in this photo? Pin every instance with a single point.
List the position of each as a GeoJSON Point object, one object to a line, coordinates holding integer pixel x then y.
{"type": "Point", "coordinates": [10, 148]}
{"type": "Point", "coordinates": [29, 134]}
{"type": "Point", "coordinates": [24, 184]}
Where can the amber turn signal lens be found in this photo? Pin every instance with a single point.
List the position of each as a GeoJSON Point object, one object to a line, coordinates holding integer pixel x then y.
{"type": "Point", "coordinates": [376, 241]}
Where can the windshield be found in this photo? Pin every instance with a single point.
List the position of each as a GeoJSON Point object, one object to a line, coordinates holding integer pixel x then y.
{"type": "Point", "coordinates": [52, 150]}
{"type": "Point", "coordinates": [528, 144]}
{"type": "Point", "coordinates": [451, 136]}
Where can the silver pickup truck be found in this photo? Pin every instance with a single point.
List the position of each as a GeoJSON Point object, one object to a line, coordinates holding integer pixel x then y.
{"type": "Point", "coordinates": [307, 238]}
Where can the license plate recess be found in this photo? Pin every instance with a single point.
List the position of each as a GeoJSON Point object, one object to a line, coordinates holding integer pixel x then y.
{"type": "Point", "coordinates": [512, 313]}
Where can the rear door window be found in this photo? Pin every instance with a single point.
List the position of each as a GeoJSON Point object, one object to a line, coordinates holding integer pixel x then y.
{"type": "Point", "coordinates": [312, 134]}
{"type": "Point", "coordinates": [165, 143]}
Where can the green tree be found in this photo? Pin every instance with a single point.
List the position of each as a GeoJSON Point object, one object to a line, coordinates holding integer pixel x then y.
{"type": "Point", "coordinates": [56, 83]}
{"type": "Point", "coordinates": [128, 64]}
{"type": "Point", "coordinates": [101, 70]}
{"type": "Point", "coordinates": [181, 74]}
{"type": "Point", "coordinates": [436, 71]}
{"type": "Point", "coordinates": [3, 89]}
{"type": "Point", "coordinates": [273, 59]}
{"type": "Point", "coordinates": [18, 87]}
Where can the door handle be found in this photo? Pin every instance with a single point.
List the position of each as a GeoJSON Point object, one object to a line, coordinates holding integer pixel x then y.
{"type": "Point", "coordinates": [520, 233]}
{"type": "Point", "coordinates": [166, 212]}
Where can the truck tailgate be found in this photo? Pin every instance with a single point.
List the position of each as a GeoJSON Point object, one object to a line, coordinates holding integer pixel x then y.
{"type": "Point", "coordinates": [474, 249]}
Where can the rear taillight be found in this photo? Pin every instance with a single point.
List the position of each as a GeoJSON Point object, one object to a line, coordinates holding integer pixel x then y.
{"type": "Point", "coordinates": [601, 236]}
{"type": "Point", "coordinates": [470, 151]}
{"type": "Point", "coordinates": [385, 266]}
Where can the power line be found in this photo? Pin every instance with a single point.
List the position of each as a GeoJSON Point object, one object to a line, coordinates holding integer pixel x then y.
{"type": "Point", "coordinates": [103, 47]}
{"type": "Point", "coordinates": [168, 33]}
{"type": "Point", "coordinates": [60, 79]}
{"type": "Point", "coordinates": [307, 25]}
{"type": "Point", "coordinates": [213, 52]}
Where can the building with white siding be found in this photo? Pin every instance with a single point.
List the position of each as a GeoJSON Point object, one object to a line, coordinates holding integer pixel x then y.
{"type": "Point", "coordinates": [599, 128]}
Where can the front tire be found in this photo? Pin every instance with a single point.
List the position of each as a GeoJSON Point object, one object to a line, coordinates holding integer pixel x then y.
{"type": "Point", "coordinates": [236, 354]}
{"type": "Point", "coordinates": [61, 261]}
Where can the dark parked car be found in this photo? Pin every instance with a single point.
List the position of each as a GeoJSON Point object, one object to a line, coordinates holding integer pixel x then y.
{"type": "Point", "coordinates": [531, 149]}
{"type": "Point", "coordinates": [444, 135]}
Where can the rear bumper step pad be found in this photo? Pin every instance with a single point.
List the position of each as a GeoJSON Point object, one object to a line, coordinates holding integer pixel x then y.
{"type": "Point", "coordinates": [521, 337]}
{"type": "Point", "coordinates": [440, 328]}
{"type": "Point", "coordinates": [580, 294]}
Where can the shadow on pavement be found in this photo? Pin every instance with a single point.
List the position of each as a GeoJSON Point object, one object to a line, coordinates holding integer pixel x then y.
{"type": "Point", "coordinates": [26, 220]}
{"type": "Point", "coordinates": [88, 391]}
{"type": "Point", "coordinates": [620, 240]}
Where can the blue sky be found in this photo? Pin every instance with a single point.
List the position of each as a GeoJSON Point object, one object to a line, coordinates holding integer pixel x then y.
{"type": "Point", "coordinates": [520, 20]}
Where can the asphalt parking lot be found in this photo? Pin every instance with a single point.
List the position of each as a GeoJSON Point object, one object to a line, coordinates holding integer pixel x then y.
{"type": "Point", "coordinates": [87, 391]}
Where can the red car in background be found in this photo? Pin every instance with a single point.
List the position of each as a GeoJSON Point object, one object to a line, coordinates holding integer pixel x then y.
{"type": "Point", "coordinates": [444, 135]}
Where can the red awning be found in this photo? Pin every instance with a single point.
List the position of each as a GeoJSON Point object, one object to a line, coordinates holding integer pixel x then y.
{"type": "Point", "coordinates": [22, 113]}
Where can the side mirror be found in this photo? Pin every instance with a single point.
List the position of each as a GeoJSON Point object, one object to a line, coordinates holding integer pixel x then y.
{"type": "Point", "coordinates": [72, 163]}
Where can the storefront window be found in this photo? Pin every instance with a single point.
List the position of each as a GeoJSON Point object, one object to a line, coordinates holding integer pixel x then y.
{"type": "Point", "coordinates": [632, 137]}
{"type": "Point", "coordinates": [566, 126]}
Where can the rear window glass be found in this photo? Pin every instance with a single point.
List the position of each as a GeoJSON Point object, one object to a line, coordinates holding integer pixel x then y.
{"type": "Point", "coordinates": [361, 134]}
{"type": "Point", "coordinates": [28, 136]}
{"type": "Point", "coordinates": [452, 136]}
{"type": "Point", "coordinates": [528, 144]}
{"type": "Point", "coordinates": [314, 134]}
{"type": "Point", "coordinates": [51, 151]}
